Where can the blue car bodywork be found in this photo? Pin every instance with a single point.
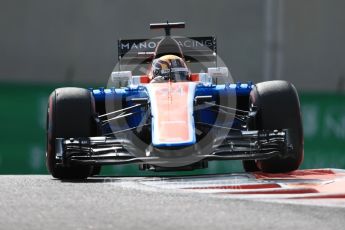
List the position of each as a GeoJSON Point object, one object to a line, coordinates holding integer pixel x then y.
{"type": "Point", "coordinates": [123, 96]}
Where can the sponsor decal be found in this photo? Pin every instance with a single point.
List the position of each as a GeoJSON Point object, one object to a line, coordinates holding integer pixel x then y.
{"type": "Point", "coordinates": [147, 45]}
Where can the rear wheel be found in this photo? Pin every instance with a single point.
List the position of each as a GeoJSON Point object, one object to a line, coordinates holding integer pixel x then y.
{"type": "Point", "coordinates": [278, 107]}
{"type": "Point", "coordinates": [70, 114]}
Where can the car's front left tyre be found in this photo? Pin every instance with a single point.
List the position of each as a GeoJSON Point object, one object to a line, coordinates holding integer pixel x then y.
{"type": "Point", "coordinates": [278, 107]}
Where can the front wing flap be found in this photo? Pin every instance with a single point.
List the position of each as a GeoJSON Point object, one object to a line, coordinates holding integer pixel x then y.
{"type": "Point", "coordinates": [243, 145]}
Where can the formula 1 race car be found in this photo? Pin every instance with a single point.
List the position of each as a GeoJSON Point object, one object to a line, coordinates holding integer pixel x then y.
{"type": "Point", "coordinates": [171, 119]}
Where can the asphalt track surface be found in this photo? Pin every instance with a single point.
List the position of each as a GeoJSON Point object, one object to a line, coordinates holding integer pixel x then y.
{"type": "Point", "coordinates": [40, 202]}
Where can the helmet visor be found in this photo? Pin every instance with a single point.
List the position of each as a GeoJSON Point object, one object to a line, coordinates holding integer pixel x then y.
{"type": "Point", "coordinates": [179, 74]}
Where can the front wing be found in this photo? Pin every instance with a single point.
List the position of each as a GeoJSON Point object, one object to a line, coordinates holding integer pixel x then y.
{"type": "Point", "coordinates": [242, 145]}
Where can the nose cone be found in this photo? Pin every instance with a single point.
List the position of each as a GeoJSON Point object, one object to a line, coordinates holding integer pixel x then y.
{"type": "Point", "coordinates": [172, 114]}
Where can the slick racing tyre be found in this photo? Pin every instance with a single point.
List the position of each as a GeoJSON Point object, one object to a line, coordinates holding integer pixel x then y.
{"type": "Point", "coordinates": [70, 114]}
{"type": "Point", "coordinates": [96, 170]}
{"type": "Point", "coordinates": [278, 107]}
{"type": "Point", "coordinates": [250, 166]}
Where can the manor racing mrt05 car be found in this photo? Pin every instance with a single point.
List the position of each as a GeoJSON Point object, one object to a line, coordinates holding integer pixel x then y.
{"type": "Point", "coordinates": [170, 119]}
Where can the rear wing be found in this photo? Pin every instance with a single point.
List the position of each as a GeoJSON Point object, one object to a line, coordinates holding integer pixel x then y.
{"type": "Point", "coordinates": [140, 51]}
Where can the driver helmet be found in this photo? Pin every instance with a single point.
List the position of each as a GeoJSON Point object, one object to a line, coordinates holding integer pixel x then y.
{"type": "Point", "coordinates": [169, 67]}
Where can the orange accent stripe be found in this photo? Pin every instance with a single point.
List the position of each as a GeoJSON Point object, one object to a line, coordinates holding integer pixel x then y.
{"type": "Point", "coordinates": [144, 79]}
{"type": "Point", "coordinates": [194, 77]}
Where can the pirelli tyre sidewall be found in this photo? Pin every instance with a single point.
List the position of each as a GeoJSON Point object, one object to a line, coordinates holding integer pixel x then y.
{"type": "Point", "coordinates": [278, 107]}
{"type": "Point", "coordinates": [70, 113]}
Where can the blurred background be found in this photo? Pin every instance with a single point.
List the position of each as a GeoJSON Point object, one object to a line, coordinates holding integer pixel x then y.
{"type": "Point", "coordinates": [46, 44]}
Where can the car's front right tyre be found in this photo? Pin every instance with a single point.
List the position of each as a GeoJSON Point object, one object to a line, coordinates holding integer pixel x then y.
{"type": "Point", "coordinates": [70, 113]}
